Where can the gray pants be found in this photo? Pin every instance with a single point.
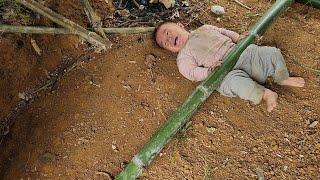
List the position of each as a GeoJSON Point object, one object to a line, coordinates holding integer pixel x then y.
{"type": "Point", "coordinates": [254, 66]}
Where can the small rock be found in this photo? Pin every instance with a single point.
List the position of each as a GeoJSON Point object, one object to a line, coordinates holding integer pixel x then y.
{"type": "Point", "coordinates": [260, 174]}
{"type": "Point", "coordinates": [218, 10]}
{"type": "Point", "coordinates": [150, 61]}
{"type": "Point", "coordinates": [211, 129]}
{"type": "Point", "coordinates": [22, 96]}
{"type": "Point", "coordinates": [127, 87]}
{"type": "Point", "coordinates": [114, 147]}
{"type": "Point", "coordinates": [313, 124]}
{"type": "Point", "coordinates": [47, 157]}
{"type": "Point", "coordinates": [141, 7]}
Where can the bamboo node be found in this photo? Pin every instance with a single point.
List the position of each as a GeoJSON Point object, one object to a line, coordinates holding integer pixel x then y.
{"type": "Point", "coordinates": [204, 90]}
{"type": "Point", "coordinates": [137, 161]}
{"type": "Point", "coordinates": [256, 36]}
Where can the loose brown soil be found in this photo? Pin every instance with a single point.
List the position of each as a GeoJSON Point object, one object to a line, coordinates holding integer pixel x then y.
{"type": "Point", "coordinates": [102, 112]}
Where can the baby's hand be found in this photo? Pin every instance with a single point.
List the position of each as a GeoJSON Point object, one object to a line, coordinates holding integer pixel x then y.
{"type": "Point", "coordinates": [216, 64]}
{"type": "Point", "coordinates": [242, 36]}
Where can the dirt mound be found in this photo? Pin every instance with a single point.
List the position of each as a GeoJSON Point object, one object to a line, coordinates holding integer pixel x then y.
{"type": "Point", "coordinates": [101, 113]}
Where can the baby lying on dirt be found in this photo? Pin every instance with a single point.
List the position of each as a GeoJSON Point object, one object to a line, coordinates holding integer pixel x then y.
{"type": "Point", "coordinates": [202, 50]}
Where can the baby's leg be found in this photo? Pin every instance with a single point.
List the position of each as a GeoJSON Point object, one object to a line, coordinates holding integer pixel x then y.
{"type": "Point", "coordinates": [239, 83]}
{"type": "Point", "coordinates": [263, 61]}
{"type": "Point", "coordinates": [293, 81]}
{"type": "Point", "coordinates": [271, 99]}
{"type": "Point", "coordinates": [281, 75]}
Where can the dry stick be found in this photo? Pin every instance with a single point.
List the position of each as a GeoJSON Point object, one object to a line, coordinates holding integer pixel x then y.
{"type": "Point", "coordinates": [195, 18]}
{"type": "Point", "coordinates": [32, 30]}
{"type": "Point", "coordinates": [243, 5]}
{"type": "Point", "coordinates": [94, 19]}
{"type": "Point", "coordinates": [48, 30]}
{"type": "Point", "coordinates": [136, 4]}
{"type": "Point", "coordinates": [64, 68]}
{"type": "Point", "coordinates": [70, 25]}
{"type": "Point", "coordinates": [131, 30]}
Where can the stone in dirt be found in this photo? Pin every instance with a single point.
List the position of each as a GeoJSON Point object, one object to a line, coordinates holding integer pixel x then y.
{"type": "Point", "coordinates": [150, 61]}
{"type": "Point", "coordinates": [313, 124]}
{"type": "Point", "coordinates": [218, 10]}
{"type": "Point", "coordinates": [260, 174]}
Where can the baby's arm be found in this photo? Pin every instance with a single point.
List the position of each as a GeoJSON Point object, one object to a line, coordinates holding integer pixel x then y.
{"type": "Point", "coordinates": [231, 34]}
{"type": "Point", "coordinates": [190, 70]}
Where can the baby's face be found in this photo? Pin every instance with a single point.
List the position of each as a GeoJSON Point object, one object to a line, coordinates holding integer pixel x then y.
{"type": "Point", "coordinates": [172, 36]}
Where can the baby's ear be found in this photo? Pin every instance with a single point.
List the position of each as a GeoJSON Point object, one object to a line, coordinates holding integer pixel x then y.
{"type": "Point", "coordinates": [180, 24]}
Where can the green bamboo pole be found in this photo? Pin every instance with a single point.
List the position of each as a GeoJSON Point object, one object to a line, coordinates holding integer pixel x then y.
{"type": "Point", "coordinates": [313, 3]}
{"type": "Point", "coordinates": [199, 95]}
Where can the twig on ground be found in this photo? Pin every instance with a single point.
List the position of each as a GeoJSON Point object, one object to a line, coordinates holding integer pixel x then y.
{"type": "Point", "coordinates": [35, 46]}
{"type": "Point", "coordinates": [131, 30]}
{"type": "Point", "coordinates": [70, 25]}
{"type": "Point", "coordinates": [106, 174]}
{"type": "Point", "coordinates": [198, 16]}
{"type": "Point", "coordinates": [47, 30]}
{"type": "Point", "coordinates": [243, 5]}
{"type": "Point", "coordinates": [33, 30]}
{"type": "Point", "coordinates": [94, 19]}
{"type": "Point", "coordinates": [136, 4]}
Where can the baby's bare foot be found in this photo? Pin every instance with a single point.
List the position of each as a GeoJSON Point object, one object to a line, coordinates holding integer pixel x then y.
{"type": "Point", "coordinates": [293, 81]}
{"type": "Point", "coordinates": [271, 99]}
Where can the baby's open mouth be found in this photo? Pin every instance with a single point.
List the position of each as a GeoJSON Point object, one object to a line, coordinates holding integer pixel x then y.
{"type": "Point", "coordinates": [176, 41]}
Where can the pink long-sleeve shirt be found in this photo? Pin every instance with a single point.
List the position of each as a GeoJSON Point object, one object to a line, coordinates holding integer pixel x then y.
{"type": "Point", "coordinates": [205, 46]}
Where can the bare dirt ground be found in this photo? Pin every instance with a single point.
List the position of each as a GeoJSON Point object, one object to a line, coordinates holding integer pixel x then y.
{"type": "Point", "coordinates": [102, 112]}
